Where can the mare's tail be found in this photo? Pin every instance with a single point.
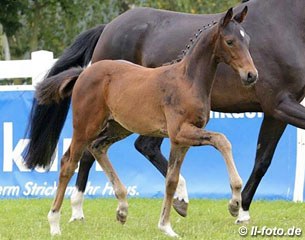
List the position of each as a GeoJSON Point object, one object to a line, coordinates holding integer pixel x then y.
{"type": "Point", "coordinates": [48, 115]}
{"type": "Point", "coordinates": [53, 94]}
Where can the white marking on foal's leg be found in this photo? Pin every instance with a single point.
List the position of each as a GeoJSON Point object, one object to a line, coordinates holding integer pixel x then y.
{"type": "Point", "coordinates": [54, 218]}
{"type": "Point", "coordinates": [181, 191]}
{"type": "Point", "coordinates": [243, 216]}
{"type": "Point", "coordinates": [77, 199]}
{"type": "Point", "coordinates": [167, 229]}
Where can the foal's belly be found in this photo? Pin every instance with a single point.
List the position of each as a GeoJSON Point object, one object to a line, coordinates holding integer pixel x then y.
{"type": "Point", "coordinates": [139, 112]}
{"type": "Point", "coordinates": [142, 124]}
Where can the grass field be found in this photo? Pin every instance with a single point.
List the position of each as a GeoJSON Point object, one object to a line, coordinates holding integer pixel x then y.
{"type": "Point", "coordinates": [207, 219]}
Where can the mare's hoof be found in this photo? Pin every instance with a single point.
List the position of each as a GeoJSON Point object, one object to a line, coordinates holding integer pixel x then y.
{"type": "Point", "coordinates": [121, 216]}
{"type": "Point", "coordinates": [233, 207]}
{"type": "Point", "coordinates": [239, 221]}
{"type": "Point", "coordinates": [243, 217]}
{"type": "Point", "coordinates": [180, 206]}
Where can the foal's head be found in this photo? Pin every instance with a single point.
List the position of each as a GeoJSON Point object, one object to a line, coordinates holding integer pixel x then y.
{"type": "Point", "coordinates": [232, 46]}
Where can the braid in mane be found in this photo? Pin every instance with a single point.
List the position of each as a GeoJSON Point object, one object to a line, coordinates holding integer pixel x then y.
{"type": "Point", "coordinates": [191, 43]}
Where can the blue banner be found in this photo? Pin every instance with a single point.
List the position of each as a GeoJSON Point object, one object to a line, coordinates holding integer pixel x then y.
{"type": "Point", "coordinates": [204, 168]}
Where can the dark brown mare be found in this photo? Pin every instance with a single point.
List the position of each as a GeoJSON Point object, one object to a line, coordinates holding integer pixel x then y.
{"type": "Point", "coordinates": [175, 103]}
{"type": "Point", "coordinates": [151, 37]}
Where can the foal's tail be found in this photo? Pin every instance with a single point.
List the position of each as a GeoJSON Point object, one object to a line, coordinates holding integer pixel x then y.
{"type": "Point", "coordinates": [48, 115]}
{"type": "Point", "coordinates": [57, 88]}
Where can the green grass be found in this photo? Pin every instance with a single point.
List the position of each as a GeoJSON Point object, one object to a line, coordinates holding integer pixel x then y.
{"type": "Point", "coordinates": [207, 219]}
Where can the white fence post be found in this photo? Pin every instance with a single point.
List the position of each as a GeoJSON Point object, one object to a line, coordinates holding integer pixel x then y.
{"type": "Point", "coordinates": [300, 166]}
{"type": "Point", "coordinates": [42, 61]}
{"type": "Point", "coordinates": [35, 68]}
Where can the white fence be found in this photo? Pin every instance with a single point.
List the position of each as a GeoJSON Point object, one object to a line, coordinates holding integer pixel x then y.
{"type": "Point", "coordinates": [298, 194]}
{"type": "Point", "coordinates": [36, 68]}
{"type": "Point", "coordinates": [42, 61]}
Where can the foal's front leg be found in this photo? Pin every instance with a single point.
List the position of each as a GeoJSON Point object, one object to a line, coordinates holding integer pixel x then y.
{"type": "Point", "coordinates": [191, 135]}
{"type": "Point", "coordinates": [150, 148]}
{"type": "Point", "coordinates": [176, 157]}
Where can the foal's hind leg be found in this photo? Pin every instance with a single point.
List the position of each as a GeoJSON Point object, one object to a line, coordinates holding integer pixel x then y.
{"type": "Point", "coordinates": [87, 122]}
{"type": "Point", "coordinates": [68, 165]}
{"type": "Point", "coordinates": [113, 132]}
{"type": "Point", "coordinates": [118, 187]}
{"type": "Point", "coordinates": [99, 149]}
{"type": "Point", "coordinates": [191, 135]}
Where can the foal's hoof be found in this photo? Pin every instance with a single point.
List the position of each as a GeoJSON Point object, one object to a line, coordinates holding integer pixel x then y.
{"type": "Point", "coordinates": [180, 206]}
{"type": "Point", "coordinates": [167, 229]}
{"type": "Point", "coordinates": [74, 219]}
{"type": "Point", "coordinates": [233, 207]}
{"type": "Point", "coordinates": [121, 216]}
{"type": "Point", "coordinates": [54, 218]}
{"type": "Point", "coordinates": [55, 232]}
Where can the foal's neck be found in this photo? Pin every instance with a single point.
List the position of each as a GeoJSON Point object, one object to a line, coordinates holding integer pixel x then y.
{"type": "Point", "coordinates": [201, 63]}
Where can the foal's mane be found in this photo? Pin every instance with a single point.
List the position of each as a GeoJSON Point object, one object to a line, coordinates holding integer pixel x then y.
{"type": "Point", "coordinates": [191, 43]}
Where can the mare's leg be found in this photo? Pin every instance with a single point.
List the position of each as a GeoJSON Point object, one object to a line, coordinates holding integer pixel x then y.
{"type": "Point", "coordinates": [68, 165]}
{"type": "Point", "coordinates": [287, 110]}
{"type": "Point", "coordinates": [177, 154]}
{"type": "Point", "coordinates": [77, 197]}
{"type": "Point", "coordinates": [270, 133]}
{"type": "Point", "coordinates": [290, 111]}
{"type": "Point", "coordinates": [150, 148]}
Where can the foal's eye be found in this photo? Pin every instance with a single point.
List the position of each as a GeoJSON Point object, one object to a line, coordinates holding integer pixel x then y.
{"type": "Point", "coordinates": [229, 42]}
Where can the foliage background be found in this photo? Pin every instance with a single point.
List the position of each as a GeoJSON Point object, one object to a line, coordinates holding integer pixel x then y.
{"type": "Point", "coordinates": [52, 25]}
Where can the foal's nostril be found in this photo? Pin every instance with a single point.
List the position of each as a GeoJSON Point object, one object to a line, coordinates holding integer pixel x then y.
{"type": "Point", "coordinates": [251, 77]}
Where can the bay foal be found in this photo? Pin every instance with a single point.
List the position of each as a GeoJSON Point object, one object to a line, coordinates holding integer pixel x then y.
{"type": "Point", "coordinates": [170, 101]}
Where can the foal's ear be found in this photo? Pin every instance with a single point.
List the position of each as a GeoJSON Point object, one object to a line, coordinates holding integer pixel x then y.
{"type": "Point", "coordinates": [240, 17]}
{"type": "Point", "coordinates": [227, 18]}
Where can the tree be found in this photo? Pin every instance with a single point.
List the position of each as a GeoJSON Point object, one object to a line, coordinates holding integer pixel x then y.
{"type": "Point", "coordinates": [9, 24]}
{"type": "Point", "coordinates": [4, 47]}
{"type": "Point", "coordinates": [189, 6]}
{"type": "Point", "coordinates": [52, 24]}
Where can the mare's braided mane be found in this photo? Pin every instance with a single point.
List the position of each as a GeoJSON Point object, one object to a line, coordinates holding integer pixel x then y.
{"type": "Point", "coordinates": [191, 43]}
